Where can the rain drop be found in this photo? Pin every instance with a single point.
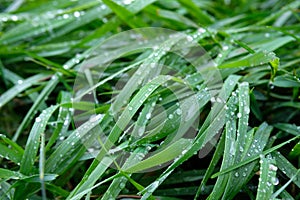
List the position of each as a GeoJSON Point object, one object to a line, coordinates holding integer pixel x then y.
{"type": "Point", "coordinates": [77, 14]}
{"type": "Point", "coordinates": [65, 16]}
{"type": "Point", "coordinates": [38, 119]}
{"type": "Point", "coordinates": [241, 149]}
{"type": "Point", "coordinates": [94, 118]}
{"type": "Point", "coordinates": [20, 81]}
{"type": "Point", "coordinates": [213, 99]}
{"type": "Point", "coordinates": [122, 185]}
{"type": "Point", "coordinates": [14, 18]}
{"type": "Point", "coordinates": [247, 110]}
{"type": "Point", "coordinates": [189, 38]}
{"type": "Point", "coordinates": [201, 30]}
{"type": "Point", "coordinates": [239, 115]}
{"type": "Point", "coordinates": [148, 115]}
{"type": "Point", "coordinates": [127, 2]}
{"type": "Point", "coordinates": [273, 167]}
{"type": "Point", "coordinates": [225, 48]}
{"type": "Point", "coordinates": [275, 181]}
{"type": "Point", "coordinates": [178, 111]}
{"type": "Point", "coordinates": [267, 35]}
{"type": "Point", "coordinates": [171, 116]}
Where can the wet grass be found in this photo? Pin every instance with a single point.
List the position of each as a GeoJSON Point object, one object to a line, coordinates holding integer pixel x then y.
{"type": "Point", "coordinates": [207, 108]}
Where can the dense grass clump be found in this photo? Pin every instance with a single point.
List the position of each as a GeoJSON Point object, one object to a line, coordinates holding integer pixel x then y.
{"type": "Point", "coordinates": [149, 99]}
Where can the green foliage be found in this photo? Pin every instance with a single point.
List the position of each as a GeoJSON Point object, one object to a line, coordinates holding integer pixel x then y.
{"type": "Point", "coordinates": [242, 109]}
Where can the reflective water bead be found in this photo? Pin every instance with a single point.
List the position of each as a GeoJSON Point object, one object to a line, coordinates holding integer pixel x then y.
{"type": "Point", "coordinates": [77, 14]}
{"type": "Point", "coordinates": [225, 48]}
{"type": "Point", "coordinates": [239, 115]}
{"type": "Point", "coordinates": [38, 119]}
{"type": "Point", "coordinates": [148, 115]}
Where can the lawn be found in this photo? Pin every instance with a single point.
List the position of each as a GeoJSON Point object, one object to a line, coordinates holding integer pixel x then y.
{"type": "Point", "coordinates": [149, 99]}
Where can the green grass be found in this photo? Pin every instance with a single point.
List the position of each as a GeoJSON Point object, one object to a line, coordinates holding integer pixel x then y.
{"type": "Point", "coordinates": [90, 111]}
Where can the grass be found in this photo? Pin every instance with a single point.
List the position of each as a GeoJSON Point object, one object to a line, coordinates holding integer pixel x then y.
{"type": "Point", "coordinates": [203, 105]}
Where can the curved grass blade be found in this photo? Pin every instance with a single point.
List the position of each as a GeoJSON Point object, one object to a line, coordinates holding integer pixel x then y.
{"type": "Point", "coordinates": [33, 140]}
{"type": "Point", "coordinates": [258, 58]}
{"type": "Point", "coordinates": [42, 96]}
{"type": "Point", "coordinates": [20, 87]}
{"type": "Point", "coordinates": [171, 152]}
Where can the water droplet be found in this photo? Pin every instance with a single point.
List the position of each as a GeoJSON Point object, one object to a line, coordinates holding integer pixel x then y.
{"type": "Point", "coordinates": [273, 167]}
{"type": "Point", "coordinates": [239, 115]}
{"type": "Point", "coordinates": [178, 111]}
{"type": "Point", "coordinates": [241, 149]}
{"type": "Point", "coordinates": [148, 115]}
{"type": "Point", "coordinates": [95, 118]}
{"type": "Point", "coordinates": [225, 48]}
{"type": "Point", "coordinates": [127, 2]}
{"type": "Point", "coordinates": [38, 119]}
{"type": "Point", "coordinates": [213, 99]}
{"type": "Point", "coordinates": [267, 35]}
{"type": "Point", "coordinates": [122, 185]}
{"type": "Point", "coordinates": [152, 65]}
{"type": "Point", "coordinates": [14, 18]}
{"type": "Point", "coordinates": [65, 16]}
{"type": "Point", "coordinates": [184, 152]}
{"type": "Point", "coordinates": [236, 174]}
{"type": "Point", "coordinates": [129, 108]}
{"type": "Point", "coordinates": [20, 81]}
{"type": "Point", "coordinates": [189, 38]}
{"type": "Point", "coordinates": [201, 30]}
{"type": "Point", "coordinates": [77, 14]}
{"type": "Point", "coordinates": [247, 110]}
{"type": "Point", "coordinates": [275, 181]}
{"type": "Point", "coordinates": [66, 122]}
{"type": "Point", "coordinates": [171, 116]}
{"type": "Point", "coordinates": [4, 19]}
